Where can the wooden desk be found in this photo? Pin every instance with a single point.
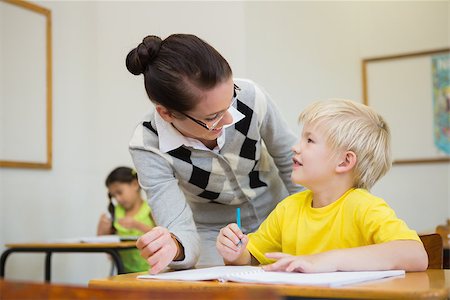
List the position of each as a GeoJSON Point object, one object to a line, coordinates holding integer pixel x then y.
{"type": "Point", "coordinates": [49, 248]}
{"type": "Point", "coordinates": [14, 290]}
{"type": "Point", "coordinates": [432, 284]}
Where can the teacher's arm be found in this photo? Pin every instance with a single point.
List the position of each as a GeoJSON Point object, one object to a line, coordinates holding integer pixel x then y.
{"type": "Point", "coordinates": [277, 137]}
{"type": "Point", "coordinates": [175, 241]}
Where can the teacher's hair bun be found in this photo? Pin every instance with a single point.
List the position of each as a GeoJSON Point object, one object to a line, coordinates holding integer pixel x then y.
{"type": "Point", "coordinates": [140, 57]}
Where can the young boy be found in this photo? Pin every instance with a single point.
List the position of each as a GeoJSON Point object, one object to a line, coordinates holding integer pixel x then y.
{"type": "Point", "coordinates": [336, 224]}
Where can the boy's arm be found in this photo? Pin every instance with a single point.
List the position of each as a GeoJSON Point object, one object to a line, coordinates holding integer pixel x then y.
{"type": "Point", "coordinates": [408, 255]}
{"type": "Point", "coordinates": [244, 259]}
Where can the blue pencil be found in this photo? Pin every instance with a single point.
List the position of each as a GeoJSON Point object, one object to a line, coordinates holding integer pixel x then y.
{"type": "Point", "coordinates": [238, 217]}
{"type": "Point", "coordinates": [238, 222]}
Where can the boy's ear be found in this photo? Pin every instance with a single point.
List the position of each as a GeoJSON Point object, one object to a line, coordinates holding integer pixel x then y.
{"type": "Point", "coordinates": [164, 113]}
{"type": "Point", "coordinates": [347, 163]}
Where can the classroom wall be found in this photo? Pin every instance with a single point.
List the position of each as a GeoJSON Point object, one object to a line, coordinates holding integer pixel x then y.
{"type": "Point", "coordinates": [298, 51]}
{"type": "Point", "coordinates": [308, 51]}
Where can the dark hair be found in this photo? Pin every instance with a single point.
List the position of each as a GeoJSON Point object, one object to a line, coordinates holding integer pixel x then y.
{"type": "Point", "coordinates": [177, 68]}
{"type": "Point", "coordinates": [122, 175]}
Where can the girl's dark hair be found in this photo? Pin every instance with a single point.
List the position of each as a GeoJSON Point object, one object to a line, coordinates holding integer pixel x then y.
{"type": "Point", "coordinates": [177, 68]}
{"type": "Point", "coordinates": [122, 175]}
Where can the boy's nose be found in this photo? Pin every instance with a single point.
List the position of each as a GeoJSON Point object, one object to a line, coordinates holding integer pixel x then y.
{"type": "Point", "coordinates": [296, 148]}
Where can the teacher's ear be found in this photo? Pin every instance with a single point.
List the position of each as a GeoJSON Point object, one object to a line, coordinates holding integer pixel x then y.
{"type": "Point", "coordinates": [164, 113]}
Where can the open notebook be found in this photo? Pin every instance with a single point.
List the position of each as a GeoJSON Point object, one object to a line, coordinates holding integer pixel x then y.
{"type": "Point", "coordinates": [258, 275]}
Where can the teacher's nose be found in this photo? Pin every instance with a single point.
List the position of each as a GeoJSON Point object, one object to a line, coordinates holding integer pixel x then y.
{"type": "Point", "coordinates": [227, 119]}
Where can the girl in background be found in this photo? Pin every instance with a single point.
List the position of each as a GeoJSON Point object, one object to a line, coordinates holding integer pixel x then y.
{"type": "Point", "coordinates": [130, 215]}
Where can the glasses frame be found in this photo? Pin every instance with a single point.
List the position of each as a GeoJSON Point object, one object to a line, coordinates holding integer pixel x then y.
{"type": "Point", "coordinates": [214, 125]}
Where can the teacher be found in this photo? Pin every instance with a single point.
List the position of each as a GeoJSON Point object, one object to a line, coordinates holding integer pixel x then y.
{"type": "Point", "coordinates": [212, 144]}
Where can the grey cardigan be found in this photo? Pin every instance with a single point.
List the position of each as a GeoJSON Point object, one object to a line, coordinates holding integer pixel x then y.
{"type": "Point", "coordinates": [194, 193]}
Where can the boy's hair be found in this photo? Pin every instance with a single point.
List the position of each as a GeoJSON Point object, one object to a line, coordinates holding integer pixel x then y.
{"type": "Point", "coordinates": [352, 126]}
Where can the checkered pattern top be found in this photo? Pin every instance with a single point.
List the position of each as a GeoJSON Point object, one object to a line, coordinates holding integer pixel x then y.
{"type": "Point", "coordinates": [195, 191]}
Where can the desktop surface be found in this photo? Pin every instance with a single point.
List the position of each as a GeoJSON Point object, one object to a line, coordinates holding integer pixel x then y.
{"type": "Point", "coordinates": [46, 245]}
{"type": "Point", "coordinates": [431, 284]}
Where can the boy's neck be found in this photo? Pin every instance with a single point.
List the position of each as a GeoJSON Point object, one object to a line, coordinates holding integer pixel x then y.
{"type": "Point", "coordinates": [331, 193]}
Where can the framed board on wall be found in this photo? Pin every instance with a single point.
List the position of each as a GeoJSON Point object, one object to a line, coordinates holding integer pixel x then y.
{"type": "Point", "coordinates": [402, 88]}
{"type": "Point", "coordinates": [25, 85]}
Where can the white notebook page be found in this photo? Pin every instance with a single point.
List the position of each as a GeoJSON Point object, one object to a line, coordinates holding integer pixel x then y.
{"type": "Point", "coordinates": [258, 275]}
{"type": "Point", "coordinates": [331, 279]}
{"type": "Point", "coordinates": [212, 273]}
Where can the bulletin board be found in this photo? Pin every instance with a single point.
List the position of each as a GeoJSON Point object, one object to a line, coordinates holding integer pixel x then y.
{"type": "Point", "coordinates": [402, 89]}
{"type": "Point", "coordinates": [25, 85]}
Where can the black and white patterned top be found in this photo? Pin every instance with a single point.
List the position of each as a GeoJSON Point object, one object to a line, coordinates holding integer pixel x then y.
{"type": "Point", "coordinates": [189, 188]}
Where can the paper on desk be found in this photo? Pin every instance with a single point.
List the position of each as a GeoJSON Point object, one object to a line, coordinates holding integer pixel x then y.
{"type": "Point", "coordinates": [332, 279]}
{"type": "Point", "coordinates": [211, 273]}
{"type": "Point", "coordinates": [98, 239]}
{"type": "Point", "coordinates": [258, 275]}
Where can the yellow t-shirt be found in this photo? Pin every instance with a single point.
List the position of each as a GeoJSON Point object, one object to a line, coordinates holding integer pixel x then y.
{"type": "Point", "coordinates": [132, 260]}
{"type": "Point", "coordinates": [356, 219]}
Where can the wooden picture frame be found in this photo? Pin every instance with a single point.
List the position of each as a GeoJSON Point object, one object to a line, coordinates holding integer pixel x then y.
{"type": "Point", "coordinates": [42, 160]}
{"type": "Point", "coordinates": [381, 76]}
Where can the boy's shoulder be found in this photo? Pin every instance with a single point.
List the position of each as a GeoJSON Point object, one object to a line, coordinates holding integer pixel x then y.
{"type": "Point", "coordinates": [296, 199]}
{"type": "Point", "coordinates": [362, 198]}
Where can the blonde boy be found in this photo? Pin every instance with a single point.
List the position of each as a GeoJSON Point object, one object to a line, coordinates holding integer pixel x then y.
{"type": "Point", "coordinates": [336, 224]}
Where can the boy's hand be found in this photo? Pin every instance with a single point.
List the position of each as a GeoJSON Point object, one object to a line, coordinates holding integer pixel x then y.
{"type": "Point", "coordinates": [231, 243]}
{"type": "Point", "coordinates": [157, 247]}
{"type": "Point", "coordinates": [315, 263]}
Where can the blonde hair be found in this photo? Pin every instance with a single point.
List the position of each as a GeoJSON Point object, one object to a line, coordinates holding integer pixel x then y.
{"type": "Point", "coordinates": [351, 126]}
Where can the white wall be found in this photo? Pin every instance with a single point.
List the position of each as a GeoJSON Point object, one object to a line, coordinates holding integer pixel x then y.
{"type": "Point", "coordinates": [306, 51]}
{"type": "Point", "coordinates": [298, 51]}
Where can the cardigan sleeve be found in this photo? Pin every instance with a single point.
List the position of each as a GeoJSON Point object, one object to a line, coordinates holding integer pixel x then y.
{"type": "Point", "coordinates": [168, 203]}
{"type": "Point", "coordinates": [277, 137]}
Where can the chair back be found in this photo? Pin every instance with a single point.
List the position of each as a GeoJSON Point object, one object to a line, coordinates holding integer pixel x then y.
{"type": "Point", "coordinates": [434, 247]}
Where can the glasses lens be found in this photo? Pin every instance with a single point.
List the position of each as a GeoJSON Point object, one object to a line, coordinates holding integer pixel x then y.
{"type": "Point", "coordinates": [214, 125]}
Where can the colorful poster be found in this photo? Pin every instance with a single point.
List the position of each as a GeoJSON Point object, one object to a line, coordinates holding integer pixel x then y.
{"type": "Point", "coordinates": [441, 101]}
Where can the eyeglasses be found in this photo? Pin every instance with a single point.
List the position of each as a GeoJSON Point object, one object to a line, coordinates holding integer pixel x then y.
{"type": "Point", "coordinates": [218, 117]}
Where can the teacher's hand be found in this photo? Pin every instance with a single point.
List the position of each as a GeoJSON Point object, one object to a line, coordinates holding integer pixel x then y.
{"type": "Point", "coordinates": [158, 247]}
